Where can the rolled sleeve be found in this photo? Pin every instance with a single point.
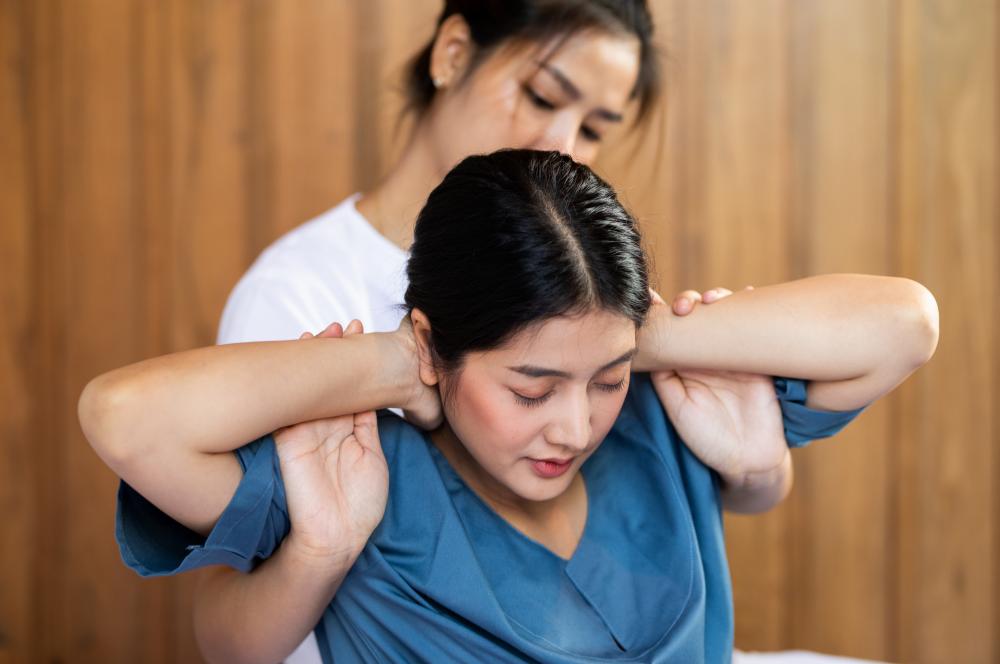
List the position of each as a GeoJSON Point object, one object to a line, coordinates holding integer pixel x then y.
{"type": "Point", "coordinates": [249, 530]}
{"type": "Point", "coordinates": [804, 424]}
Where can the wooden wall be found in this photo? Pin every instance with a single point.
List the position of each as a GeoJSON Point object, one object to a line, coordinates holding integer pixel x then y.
{"type": "Point", "coordinates": [149, 150]}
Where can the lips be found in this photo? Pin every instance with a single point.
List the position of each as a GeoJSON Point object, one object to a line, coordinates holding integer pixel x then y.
{"type": "Point", "coordinates": [549, 468]}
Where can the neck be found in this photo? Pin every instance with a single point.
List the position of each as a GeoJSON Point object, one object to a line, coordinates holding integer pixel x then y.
{"type": "Point", "coordinates": [391, 207]}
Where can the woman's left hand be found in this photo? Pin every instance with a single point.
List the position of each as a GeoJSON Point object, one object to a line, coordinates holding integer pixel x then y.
{"type": "Point", "coordinates": [731, 421]}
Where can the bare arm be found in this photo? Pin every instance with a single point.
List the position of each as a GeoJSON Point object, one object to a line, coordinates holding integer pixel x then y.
{"type": "Point", "coordinates": [854, 337]}
{"type": "Point", "coordinates": [261, 617]}
{"type": "Point", "coordinates": [166, 425]}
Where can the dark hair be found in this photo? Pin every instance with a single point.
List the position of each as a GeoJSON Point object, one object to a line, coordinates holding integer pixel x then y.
{"type": "Point", "coordinates": [493, 22]}
{"type": "Point", "coordinates": [515, 238]}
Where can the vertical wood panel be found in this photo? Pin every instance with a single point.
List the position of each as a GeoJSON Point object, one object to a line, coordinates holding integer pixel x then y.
{"type": "Point", "coordinates": [315, 111]}
{"type": "Point", "coordinates": [210, 172]}
{"type": "Point", "coordinates": [96, 264]}
{"type": "Point", "coordinates": [16, 345]}
{"type": "Point", "coordinates": [841, 530]}
{"type": "Point", "coordinates": [948, 218]}
{"type": "Point", "coordinates": [43, 100]}
{"type": "Point", "coordinates": [736, 216]}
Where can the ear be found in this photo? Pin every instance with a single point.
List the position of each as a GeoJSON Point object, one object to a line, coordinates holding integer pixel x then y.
{"type": "Point", "coordinates": [422, 335]}
{"type": "Point", "coordinates": [452, 51]}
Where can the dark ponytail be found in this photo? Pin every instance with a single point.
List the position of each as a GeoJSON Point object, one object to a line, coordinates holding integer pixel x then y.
{"type": "Point", "coordinates": [515, 238]}
{"type": "Point", "coordinates": [492, 22]}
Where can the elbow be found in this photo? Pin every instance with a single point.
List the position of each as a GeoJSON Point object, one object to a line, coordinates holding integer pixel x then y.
{"type": "Point", "coordinates": [102, 411]}
{"type": "Point", "coordinates": [918, 326]}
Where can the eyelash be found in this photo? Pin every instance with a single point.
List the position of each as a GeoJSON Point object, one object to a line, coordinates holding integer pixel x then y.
{"type": "Point", "coordinates": [538, 100]}
{"type": "Point", "coordinates": [531, 402]}
{"type": "Point", "coordinates": [544, 104]}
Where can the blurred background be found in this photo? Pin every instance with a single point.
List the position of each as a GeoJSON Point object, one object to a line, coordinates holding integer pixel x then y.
{"type": "Point", "coordinates": [150, 149]}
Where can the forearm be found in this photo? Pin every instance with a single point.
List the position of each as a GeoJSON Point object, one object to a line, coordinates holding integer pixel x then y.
{"type": "Point", "coordinates": [263, 616]}
{"type": "Point", "coordinates": [854, 336]}
{"type": "Point", "coordinates": [759, 492]}
{"type": "Point", "coordinates": [216, 399]}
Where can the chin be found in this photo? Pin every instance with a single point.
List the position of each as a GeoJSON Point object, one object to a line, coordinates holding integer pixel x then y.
{"type": "Point", "coordinates": [539, 490]}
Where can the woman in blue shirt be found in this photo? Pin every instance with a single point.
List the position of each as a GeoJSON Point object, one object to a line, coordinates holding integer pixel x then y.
{"type": "Point", "coordinates": [548, 510]}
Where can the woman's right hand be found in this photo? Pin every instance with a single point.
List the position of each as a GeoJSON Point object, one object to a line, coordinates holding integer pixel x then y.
{"type": "Point", "coordinates": [336, 479]}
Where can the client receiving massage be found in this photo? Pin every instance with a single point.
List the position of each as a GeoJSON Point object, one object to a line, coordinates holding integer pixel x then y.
{"type": "Point", "coordinates": [537, 504]}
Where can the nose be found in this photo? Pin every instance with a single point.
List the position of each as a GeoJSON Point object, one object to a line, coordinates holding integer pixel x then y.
{"type": "Point", "coordinates": [572, 427]}
{"type": "Point", "coordinates": [560, 136]}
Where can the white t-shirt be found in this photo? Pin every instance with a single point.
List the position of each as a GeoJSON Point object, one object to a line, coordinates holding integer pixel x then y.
{"type": "Point", "coordinates": [334, 267]}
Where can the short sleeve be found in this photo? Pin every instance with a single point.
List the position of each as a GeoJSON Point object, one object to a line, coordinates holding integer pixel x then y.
{"type": "Point", "coordinates": [804, 424]}
{"type": "Point", "coordinates": [249, 530]}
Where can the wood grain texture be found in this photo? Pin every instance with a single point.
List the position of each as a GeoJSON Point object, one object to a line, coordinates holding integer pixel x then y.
{"type": "Point", "coordinates": [840, 203]}
{"type": "Point", "coordinates": [150, 150]}
{"type": "Point", "coordinates": [948, 225]}
{"type": "Point", "coordinates": [17, 600]}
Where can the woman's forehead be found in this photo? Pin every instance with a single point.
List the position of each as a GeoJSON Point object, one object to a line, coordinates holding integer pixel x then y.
{"type": "Point", "coordinates": [571, 344]}
{"type": "Point", "coordinates": [603, 65]}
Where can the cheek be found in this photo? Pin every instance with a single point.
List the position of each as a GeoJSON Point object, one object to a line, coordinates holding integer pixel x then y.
{"type": "Point", "coordinates": [605, 412]}
{"type": "Point", "coordinates": [490, 419]}
{"type": "Point", "coordinates": [498, 116]}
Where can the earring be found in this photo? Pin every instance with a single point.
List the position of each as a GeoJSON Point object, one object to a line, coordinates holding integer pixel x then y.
{"type": "Point", "coordinates": [437, 82]}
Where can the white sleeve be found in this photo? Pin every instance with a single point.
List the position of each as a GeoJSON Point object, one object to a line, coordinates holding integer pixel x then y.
{"type": "Point", "coordinates": [270, 308]}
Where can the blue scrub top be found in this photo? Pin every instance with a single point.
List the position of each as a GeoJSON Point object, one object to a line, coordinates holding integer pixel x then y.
{"type": "Point", "coordinates": [443, 578]}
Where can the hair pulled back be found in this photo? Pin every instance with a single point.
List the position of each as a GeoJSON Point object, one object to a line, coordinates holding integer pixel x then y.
{"type": "Point", "coordinates": [517, 237]}
{"type": "Point", "coordinates": [493, 22]}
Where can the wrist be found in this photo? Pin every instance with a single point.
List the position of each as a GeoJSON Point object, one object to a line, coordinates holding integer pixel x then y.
{"type": "Point", "coordinates": [399, 368]}
{"type": "Point", "coordinates": [759, 479]}
{"type": "Point", "coordinates": [652, 339]}
{"type": "Point", "coordinates": [318, 562]}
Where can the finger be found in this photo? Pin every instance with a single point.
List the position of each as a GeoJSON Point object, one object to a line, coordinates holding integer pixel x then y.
{"type": "Point", "coordinates": [354, 327]}
{"type": "Point", "coordinates": [306, 335]}
{"type": "Point", "coordinates": [655, 297]}
{"type": "Point", "coordinates": [332, 331]}
{"type": "Point", "coordinates": [684, 302]}
{"type": "Point", "coordinates": [715, 295]}
{"type": "Point", "coordinates": [670, 389]}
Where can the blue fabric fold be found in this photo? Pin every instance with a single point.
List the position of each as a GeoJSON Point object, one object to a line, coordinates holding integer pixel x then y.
{"type": "Point", "coordinates": [804, 424]}
{"type": "Point", "coordinates": [249, 530]}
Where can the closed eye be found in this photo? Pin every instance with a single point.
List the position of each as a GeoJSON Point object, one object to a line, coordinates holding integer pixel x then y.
{"type": "Point", "coordinates": [590, 134]}
{"type": "Point", "coordinates": [605, 387]}
{"type": "Point", "coordinates": [531, 401]}
{"type": "Point", "coordinates": [538, 100]}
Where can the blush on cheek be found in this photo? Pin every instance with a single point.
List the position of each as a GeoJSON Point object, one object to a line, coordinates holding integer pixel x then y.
{"type": "Point", "coordinates": [489, 421]}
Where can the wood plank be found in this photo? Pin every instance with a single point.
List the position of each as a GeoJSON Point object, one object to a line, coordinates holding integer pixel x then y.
{"type": "Point", "coordinates": [314, 113]}
{"type": "Point", "coordinates": [948, 208]}
{"type": "Point", "coordinates": [840, 544]}
{"type": "Point", "coordinates": [17, 341]}
{"type": "Point", "coordinates": [738, 228]}
{"type": "Point", "coordinates": [99, 263]}
{"type": "Point", "coordinates": [212, 146]}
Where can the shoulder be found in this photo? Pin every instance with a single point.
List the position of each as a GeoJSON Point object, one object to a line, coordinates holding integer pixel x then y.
{"type": "Point", "coordinates": [402, 443]}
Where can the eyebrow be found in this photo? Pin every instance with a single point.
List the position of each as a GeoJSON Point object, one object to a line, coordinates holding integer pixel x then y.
{"type": "Point", "coordinates": [574, 92]}
{"type": "Point", "coordinates": [542, 372]}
